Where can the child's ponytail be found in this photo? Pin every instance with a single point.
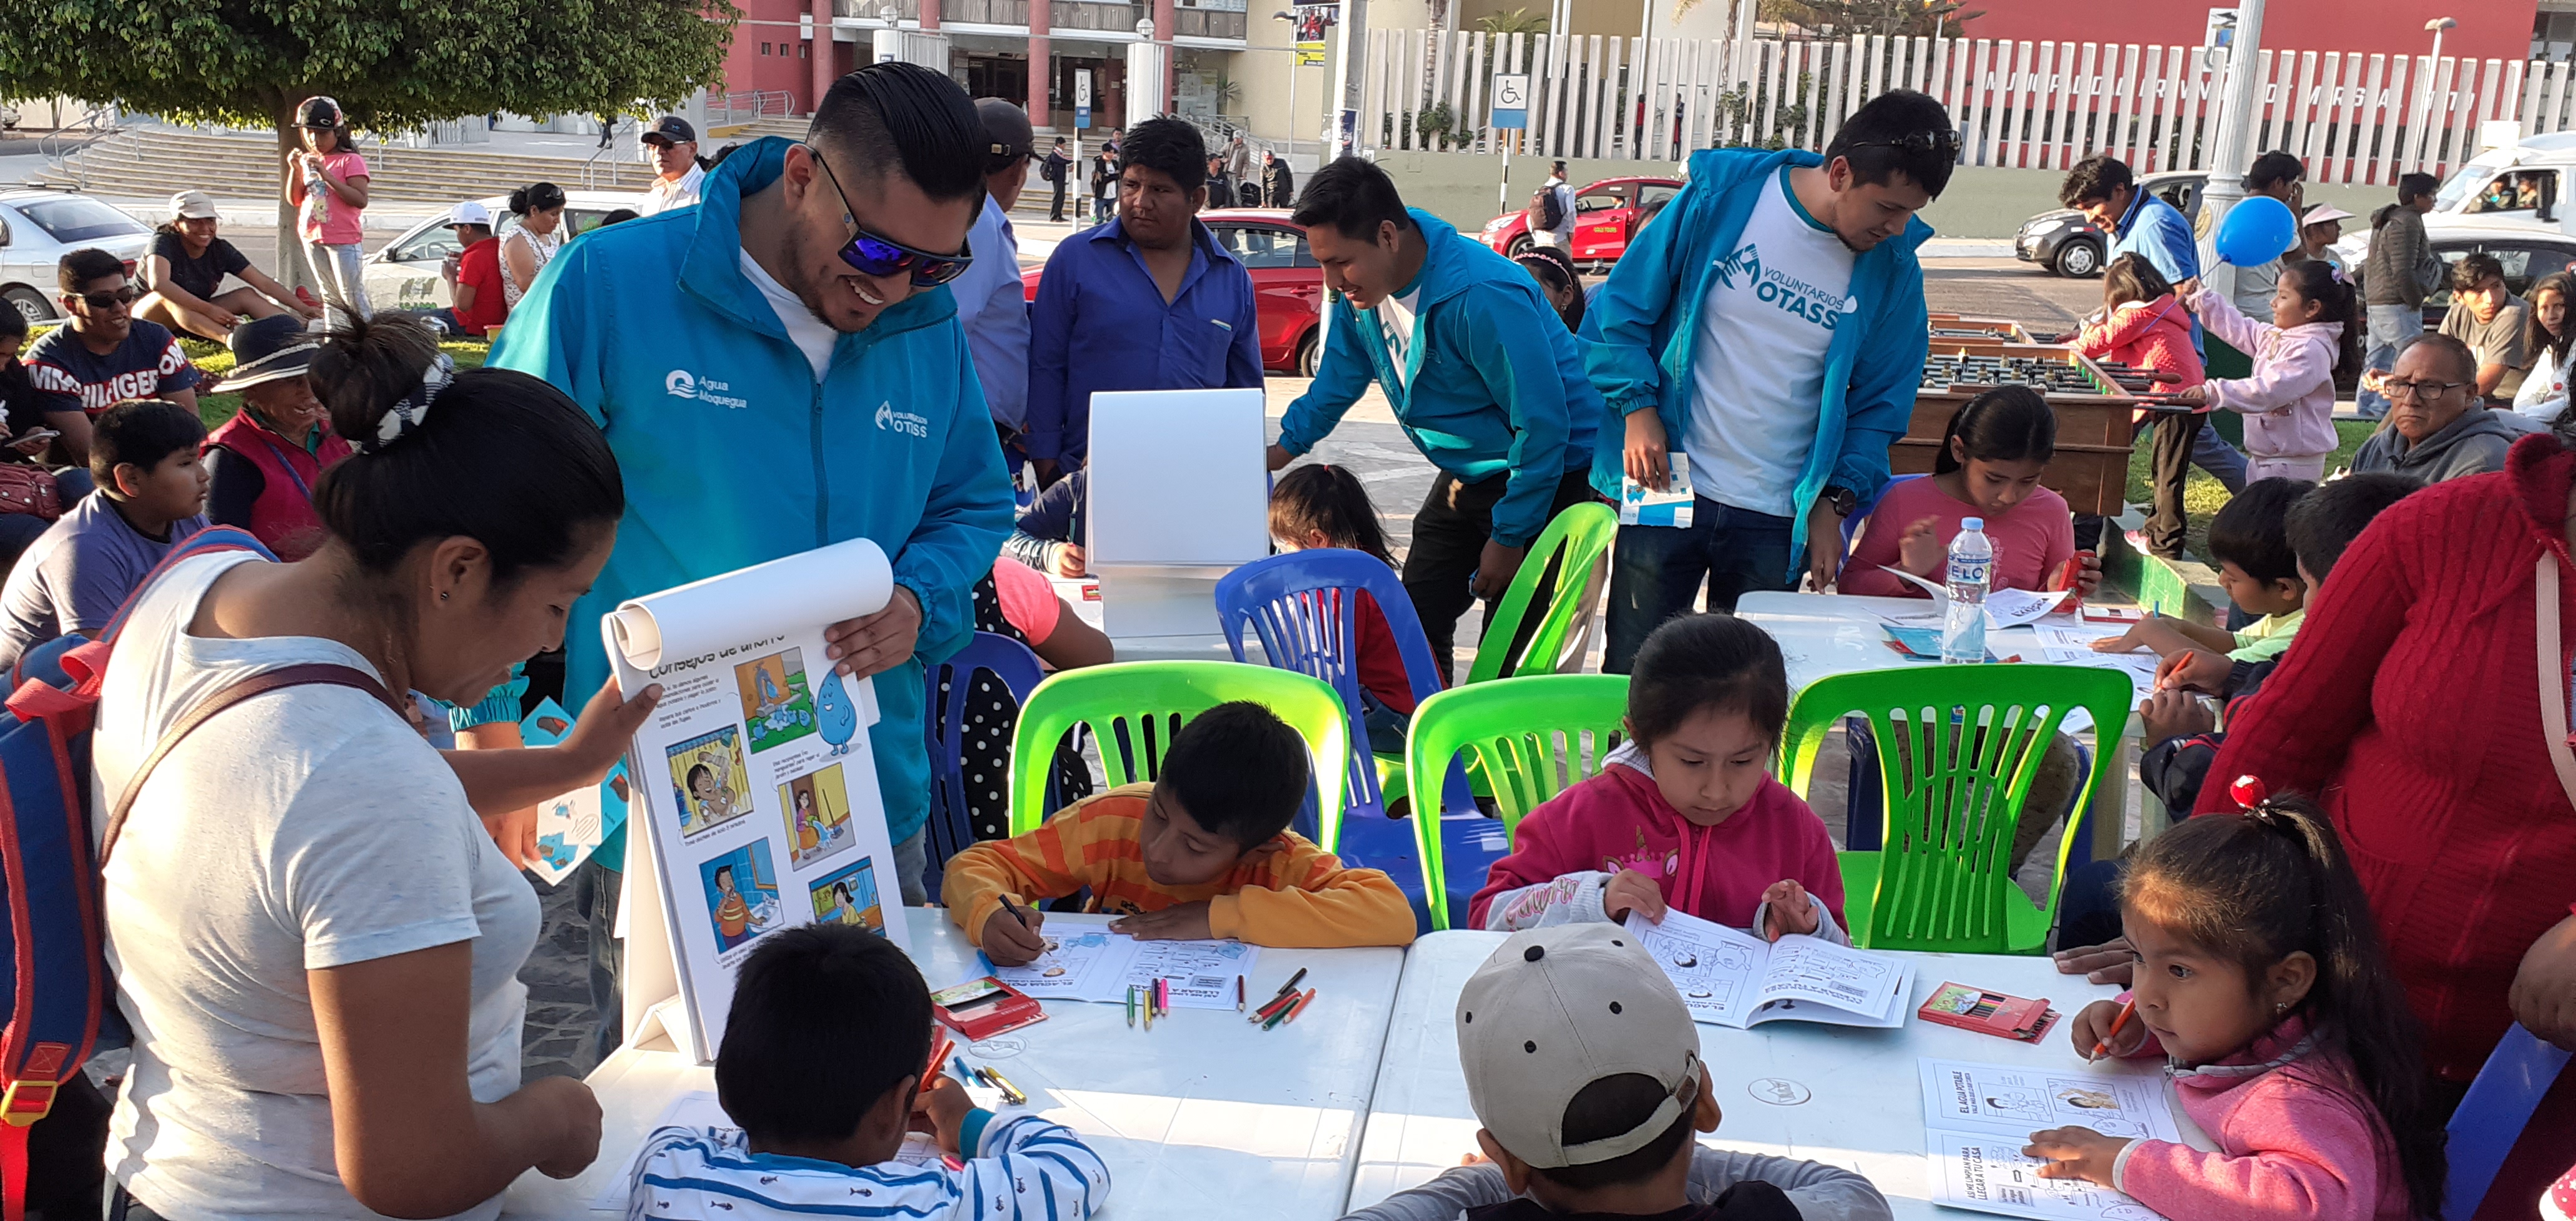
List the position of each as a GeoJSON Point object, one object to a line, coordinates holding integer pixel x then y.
{"type": "Point", "coordinates": [1326, 499]}
{"type": "Point", "coordinates": [2337, 301]}
{"type": "Point", "coordinates": [2271, 882]}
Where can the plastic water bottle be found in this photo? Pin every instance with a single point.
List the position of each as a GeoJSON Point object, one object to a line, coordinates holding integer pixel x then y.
{"type": "Point", "coordinates": [1972, 568]}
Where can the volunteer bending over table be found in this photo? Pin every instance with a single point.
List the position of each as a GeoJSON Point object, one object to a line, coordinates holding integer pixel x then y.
{"type": "Point", "coordinates": [316, 942]}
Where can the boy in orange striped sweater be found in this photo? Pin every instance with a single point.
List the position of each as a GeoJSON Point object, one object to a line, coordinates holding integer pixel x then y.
{"type": "Point", "coordinates": [1205, 851]}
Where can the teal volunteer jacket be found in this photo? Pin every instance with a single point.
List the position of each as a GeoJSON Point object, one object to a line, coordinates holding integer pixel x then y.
{"type": "Point", "coordinates": [1496, 382]}
{"type": "Point", "coordinates": [734, 455]}
{"type": "Point", "coordinates": [1648, 319]}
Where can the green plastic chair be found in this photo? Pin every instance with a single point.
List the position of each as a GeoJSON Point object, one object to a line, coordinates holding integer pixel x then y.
{"type": "Point", "coordinates": [1579, 539]}
{"type": "Point", "coordinates": [1134, 708]}
{"type": "Point", "coordinates": [1526, 735]}
{"type": "Point", "coordinates": [1954, 794]}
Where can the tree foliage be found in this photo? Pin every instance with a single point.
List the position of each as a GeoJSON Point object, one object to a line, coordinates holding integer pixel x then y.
{"type": "Point", "coordinates": [1843, 18]}
{"type": "Point", "coordinates": [394, 64]}
{"type": "Point", "coordinates": [1517, 21]}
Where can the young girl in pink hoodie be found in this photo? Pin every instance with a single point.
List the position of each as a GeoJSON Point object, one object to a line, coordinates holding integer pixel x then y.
{"type": "Point", "coordinates": [1685, 814]}
{"type": "Point", "coordinates": [2288, 402]}
{"type": "Point", "coordinates": [2261, 980]}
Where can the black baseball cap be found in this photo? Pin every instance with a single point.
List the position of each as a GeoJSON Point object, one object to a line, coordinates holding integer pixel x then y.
{"type": "Point", "coordinates": [319, 112]}
{"type": "Point", "coordinates": [269, 349]}
{"type": "Point", "coordinates": [671, 129]}
{"type": "Point", "coordinates": [1006, 133]}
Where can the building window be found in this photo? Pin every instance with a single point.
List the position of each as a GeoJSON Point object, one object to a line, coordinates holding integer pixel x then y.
{"type": "Point", "coordinates": [804, 50]}
{"type": "Point", "coordinates": [764, 48]}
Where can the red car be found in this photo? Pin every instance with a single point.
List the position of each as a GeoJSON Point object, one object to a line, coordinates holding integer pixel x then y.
{"type": "Point", "coordinates": [1287, 283]}
{"type": "Point", "coordinates": [1607, 215]}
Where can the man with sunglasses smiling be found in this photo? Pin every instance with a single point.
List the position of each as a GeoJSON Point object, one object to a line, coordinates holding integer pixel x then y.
{"type": "Point", "coordinates": [104, 355]}
{"type": "Point", "coordinates": [780, 368]}
{"type": "Point", "coordinates": [1774, 333]}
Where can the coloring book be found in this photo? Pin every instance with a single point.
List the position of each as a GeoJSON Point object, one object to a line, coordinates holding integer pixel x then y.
{"type": "Point", "coordinates": [1731, 978]}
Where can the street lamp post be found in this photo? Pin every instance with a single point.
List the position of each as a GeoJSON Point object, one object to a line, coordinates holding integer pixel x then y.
{"type": "Point", "coordinates": [2432, 73]}
{"type": "Point", "coordinates": [1291, 19]}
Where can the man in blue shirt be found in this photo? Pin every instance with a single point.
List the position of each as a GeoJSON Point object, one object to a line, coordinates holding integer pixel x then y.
{"type": "Point", "coordinates": [2142, 223]}
{"type": "Point", "coordinates": [1480, 370]}
{"type": "Point", "coordinates": [990, 302]}
{"type": "Point", "coordinates": [1148, 301]}
{"type": "Point", "coordinates": [775, 373]}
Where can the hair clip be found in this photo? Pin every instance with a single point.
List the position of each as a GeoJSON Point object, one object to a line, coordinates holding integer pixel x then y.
{"type": "Point", "coordinates": [407, 414]}
{"type": "Point", "coordinates": [2249, 793]}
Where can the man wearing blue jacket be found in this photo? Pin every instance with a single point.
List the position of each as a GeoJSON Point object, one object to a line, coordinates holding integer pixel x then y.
{"type": "Point", "coordinates": [1773, 322]}
{"type": "Point", "coordinates": [1481, 372]}
{"type": "Point", "coordinates": [776, 371]}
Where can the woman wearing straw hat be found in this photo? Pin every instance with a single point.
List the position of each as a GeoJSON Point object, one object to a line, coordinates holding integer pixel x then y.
{"type": "Point", "coordinates": [188, 263]}
{"type": "Point", "coordinates": [265, 461]}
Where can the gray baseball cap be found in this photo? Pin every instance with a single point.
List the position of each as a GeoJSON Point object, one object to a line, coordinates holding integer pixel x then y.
{"type": "Point", "coordinates": [1556, 1009]}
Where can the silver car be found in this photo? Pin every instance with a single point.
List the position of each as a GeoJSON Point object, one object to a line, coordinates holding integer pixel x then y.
{"type": "Point", "coordinates": [407, 273]}
{"type": "Point", "coordinates": [39, 227]}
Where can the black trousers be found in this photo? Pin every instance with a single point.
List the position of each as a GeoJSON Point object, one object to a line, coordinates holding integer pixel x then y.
{"type": "Point", "coordinates": [2169, 464]}
{"type": "Point", "coordinates": [1449, 536]}
{"type": "Point", "coordinates": [1056, 212]}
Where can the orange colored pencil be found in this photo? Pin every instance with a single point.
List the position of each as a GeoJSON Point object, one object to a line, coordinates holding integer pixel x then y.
{"type": "Point", "coordinates": [2116, 1023]}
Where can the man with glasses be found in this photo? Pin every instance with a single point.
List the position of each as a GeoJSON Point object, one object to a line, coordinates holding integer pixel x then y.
{"type": "Point", "coordinates": [2437, 429]}
{"type": "Point", "coordinates": [1775, 336]}
{"type": "Point", "coordinates": [797, 383]}
{"type": "Point", "coordinates": [104, 355]}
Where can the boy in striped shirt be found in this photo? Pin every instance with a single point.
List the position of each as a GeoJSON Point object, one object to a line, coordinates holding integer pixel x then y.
{"type": "Point", "coordinates": [821, 1064]}
{"type": "Point", "coordinates": [1204, 851]}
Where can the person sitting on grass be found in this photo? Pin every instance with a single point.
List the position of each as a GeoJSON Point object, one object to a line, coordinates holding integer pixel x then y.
{"type": "Point", "coordinates": [188, 263]}
{"type": "Point", "coordinates": [104, 355]}
{"type": "Point", "coordinates": [473, 275]}
{"type": "Point", "coordinates": [1992, 456]}
{"type": "Point", "coordinates": [2437, 429]}
{"type": "Point", "coordinates": [26, 441]}
{"type": "Point", "coordinates": [823, 1067]}
{"type": "Point", "coordinates": [1584, 1071]}
{"type": "Point", "coordinates": [264, 462]}
{"type": "Point", "coordinates": [1204, 851]}
{"type": "Point", "coordinates": [2548, 336]}
{"type": "Point", "coordinates": [2249, 538]}
{"type": "Point", "coordinates": [76, 575]}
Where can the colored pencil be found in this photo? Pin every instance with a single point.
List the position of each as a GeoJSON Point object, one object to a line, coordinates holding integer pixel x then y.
{"type": "Point", "coordinates": [1238, 994]}
{"type": "Point", "coordinates": [1276, 1016]}
{"type": "Point", "coordinates": [2114, 1032]}
{"type": "Point", "coordinates": [1291, 985]}
{"type": "Point", "coordinates": [1131, 1005]}
{"type": "Point", "coordinates": [1273, 1005]}
{"type": "Point", "coordinates": [1016, 913]}
{"type": "Point", "coordinates": [959, 1063]}
{"type": "Point", "coordinates": [1009, 1090]}
{"type": "Point", "coordinates": [1300, 1006]}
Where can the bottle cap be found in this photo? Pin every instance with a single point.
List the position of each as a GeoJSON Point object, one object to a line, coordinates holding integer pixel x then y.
{"type": "Point", "coordinates": [1972, 523]}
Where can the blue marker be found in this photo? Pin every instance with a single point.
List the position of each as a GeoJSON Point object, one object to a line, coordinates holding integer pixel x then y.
{"type": "Point", "coordinates": [959, 1063]}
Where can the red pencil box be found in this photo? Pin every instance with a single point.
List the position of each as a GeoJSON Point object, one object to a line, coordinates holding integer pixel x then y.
{"type": "Point", "coordinates": [982, 1008]}
{"type": "Point", "coordinates": [2006, 1017]}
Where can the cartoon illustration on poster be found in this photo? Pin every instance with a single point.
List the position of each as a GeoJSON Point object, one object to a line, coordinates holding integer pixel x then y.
{"type": "Point", "coordinates": [817, 806]}
{"type": "Point", "coordinates": [742, 894]}
{"type": "Point", "coordinates": [775, 701]}
{"type": "Point", "coordinates": [850, 897]}
{"type": "Point", "coordinates": [712, 783]}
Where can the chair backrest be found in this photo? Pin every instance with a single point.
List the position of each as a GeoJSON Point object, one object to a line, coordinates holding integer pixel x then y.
{"type": "Point", "coordinates": [951, 826]}
{"type": "Point", "coordinates": [1526, 734]}
{"type": "Point", "coordinates": [2493, 1114]}
{"type": "Point", "coordinates": [1958, 747]}
{"type": "Point", "coordinates": [1860, 512]}
{"type": "Point", "coordinates": [1135, 707]}
{"type": "Point", "coordinates": [1577, 545]}
{"type": "Point", "coordinates": [1304, 608]}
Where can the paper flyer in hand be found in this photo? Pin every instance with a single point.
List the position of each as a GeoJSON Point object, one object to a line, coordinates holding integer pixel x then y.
{"type": "Point", "coordinates": [754, 774]}
{"type": "Point", "coordinates": [1640, 505]}
{"type": "Point", "coordinates": [1731, 978]}
{"type": "Point", "coordinates": [1087, 962]}
{"type": "Point", "coordinates": [1977, 1118]}
{"type": "Point", "coordinates": [571, 826]}
{"type": "Point", "coordinates": [2004, 607]}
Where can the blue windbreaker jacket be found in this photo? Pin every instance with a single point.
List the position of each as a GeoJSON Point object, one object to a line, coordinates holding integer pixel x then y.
{"type": "Point", "coordinates": [734, 455]}
{"type": "Point", "coordinates": [1497, 382]}
{"type": "Point", "coordinates": [1648, 322]}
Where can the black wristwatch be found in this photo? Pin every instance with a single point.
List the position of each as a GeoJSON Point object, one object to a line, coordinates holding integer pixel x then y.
{"type": "Point", "coordinates": [1844, 500]}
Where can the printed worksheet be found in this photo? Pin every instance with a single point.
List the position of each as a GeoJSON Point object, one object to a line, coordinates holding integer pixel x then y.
{"type": "Point", "coordinates": [2008, 1101]}
{"type": "Point", "coordinates": [572, 825]}
{"type": "Point", "coordinates": [1201, 973]}
{"type": "Point", "coordinates": [1989, 1174]}
{"type": "Point", "coordinates": [2004, 607]}
{"type": "Point", "coordinates": [1640, 505]}
{"type": "Point", "coordinates": [1090, 963]}
{"type": "Point", "coordinates": [1728, 977]}
{"type": "Point", "coordinates": [1078, 962]}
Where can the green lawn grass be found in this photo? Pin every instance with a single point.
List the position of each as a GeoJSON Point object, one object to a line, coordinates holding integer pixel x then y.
{"type": "Point", "coordinates": [214, 358]}
{"type": "Point", "coordinates": [2201, 495]}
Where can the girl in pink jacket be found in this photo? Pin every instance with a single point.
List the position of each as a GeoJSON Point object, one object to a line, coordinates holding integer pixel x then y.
{"type": "Point", "coordinates": [2261, 980]}
{"type": "Point", "coordinates": [1684, 815]}
{"type": "Point", "coordinates": [2288, 403]}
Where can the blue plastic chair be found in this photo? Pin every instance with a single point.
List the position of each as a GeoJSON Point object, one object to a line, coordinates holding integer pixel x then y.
{"type": "Point", "coordinates": [1304, 609]}
{"type": "Point", "coordinates": [2493, 1114]}
{"type": "Point", "coordinates": [949, 827]}
{"type": "Point", "coordinates": [1860, 512]}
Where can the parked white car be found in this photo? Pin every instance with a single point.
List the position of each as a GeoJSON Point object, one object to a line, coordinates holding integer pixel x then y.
{"type": "Point", "coordinates": [405, 274]}
{"type": "Point", "coordinates": [39, 227]}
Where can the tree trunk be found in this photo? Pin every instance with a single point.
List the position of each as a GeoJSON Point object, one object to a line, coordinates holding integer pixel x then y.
{"type": "Point", "coordinates": [293, 270]}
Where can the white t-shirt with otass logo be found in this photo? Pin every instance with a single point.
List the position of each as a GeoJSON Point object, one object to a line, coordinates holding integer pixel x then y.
{"type": "Point", "coordinates": [1758, 365]}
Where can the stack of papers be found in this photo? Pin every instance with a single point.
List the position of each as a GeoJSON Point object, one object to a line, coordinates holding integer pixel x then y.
{"type": "Point", "coordinates": [1977, 1118]}
{"type": "Point", "coordinates": [1090, 963]}
{"type": "Point", "coordinates": [1730, 978]}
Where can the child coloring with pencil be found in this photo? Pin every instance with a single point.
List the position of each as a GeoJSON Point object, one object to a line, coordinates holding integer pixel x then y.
{"type": "Point", "coordinates": [1203, 851]}
{"type": "Point", "coordinates": [2261, 980]}
{"type": "Point", "coordinates": [1684, 815]}
{"type": "Point", "coordinates": [1992, 455]}
{"type": "Point", "coordinates": [2288, 401]}
{"type": "Point", "coordinates": [1322, 505]}
{"type": "Point", "coordinates": [822, 1066]}
{"type": "Point", "coordinates": [2250, 539]}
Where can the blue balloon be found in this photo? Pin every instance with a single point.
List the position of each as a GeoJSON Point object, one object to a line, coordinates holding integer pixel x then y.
{"type": "Point", "coordinates": [2257, 230]}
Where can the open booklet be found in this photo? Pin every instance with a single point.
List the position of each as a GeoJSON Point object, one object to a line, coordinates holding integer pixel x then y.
{"type": "Point", "coordinates": [754, 776]}
{"type": "Point", "coordinates": [2004, 607]}
{"type": "Point", "coordinates": [1086, 962]}
{"type": "Point", "coordinates": [1977, 1118]}
{"type": "Point", "coordinates": [1730, 978]}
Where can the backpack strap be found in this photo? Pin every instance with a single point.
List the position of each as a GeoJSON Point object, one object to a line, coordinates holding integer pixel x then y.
{"type": "Point", "coordinates": [320, 673]}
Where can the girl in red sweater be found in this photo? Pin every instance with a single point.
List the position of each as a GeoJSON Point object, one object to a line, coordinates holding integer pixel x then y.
{"type": "Point", "coordinates": [1684, 814]}
{"type": "Point", "coordinates": [2142, 325]}
{"type": "Point", "coordinates": [2261, 981]}
{"type": "Point", "coordinates": [1322, 505]}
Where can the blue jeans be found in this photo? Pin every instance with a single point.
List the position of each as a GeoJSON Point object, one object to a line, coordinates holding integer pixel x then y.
{"type": "Point", "coordinates": [2390, 327]}
{"type": "Point", "coordinates": [1656, 571]}
{"type": "Point", "coordinates": [2211, 452]}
